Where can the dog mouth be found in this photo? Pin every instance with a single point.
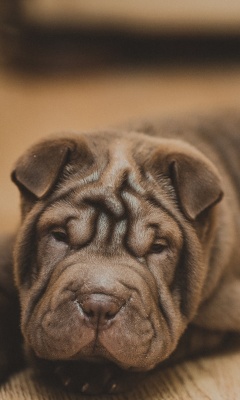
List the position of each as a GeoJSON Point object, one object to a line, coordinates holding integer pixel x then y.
{"type": "Point", "coordinates": [96, 353]}
{"type": "Point", "coordinates": [98, 328]}
{"type": "Point", "coordinates": [99, 313]}
{"type": "Point", "coordinates": [110, 339]}
{"type": "Point", "coordinates": [76, 321]}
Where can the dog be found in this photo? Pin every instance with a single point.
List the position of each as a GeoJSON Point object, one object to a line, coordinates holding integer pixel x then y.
{"type": "Point", "coordinates": [127, 255]}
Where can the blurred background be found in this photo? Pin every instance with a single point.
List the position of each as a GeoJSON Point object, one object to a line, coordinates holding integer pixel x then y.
{"type": "Point", "coordinates": [81, 65]}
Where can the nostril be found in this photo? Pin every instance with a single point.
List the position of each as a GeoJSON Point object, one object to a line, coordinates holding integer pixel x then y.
{"type": "Point", "coordinates": [110, 315]}
{"type": "Point", "coordinates": [89, 314]}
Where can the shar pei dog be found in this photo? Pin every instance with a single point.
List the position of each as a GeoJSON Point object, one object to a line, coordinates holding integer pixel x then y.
{"type": "Point", "coordinates": [127, 255]}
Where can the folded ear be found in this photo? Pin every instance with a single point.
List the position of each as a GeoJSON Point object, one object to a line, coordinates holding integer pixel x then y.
{"type": "Point", "coordinates": [195, 179]}
{"type": "Point", "coordinates": [40, 167]}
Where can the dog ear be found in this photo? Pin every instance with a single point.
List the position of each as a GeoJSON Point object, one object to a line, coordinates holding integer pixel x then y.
{"type": "Point", "coordinates": [197, 185]}
{"type": "Point", "coordinates": [195, 179]}
{"type": "Point", "coordinates": [39, 167]}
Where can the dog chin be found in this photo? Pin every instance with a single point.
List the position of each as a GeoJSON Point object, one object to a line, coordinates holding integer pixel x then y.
{"type": "Point", "coordinates": [96, 353]}
{"type": "Point", "coordinates": [100, 355]}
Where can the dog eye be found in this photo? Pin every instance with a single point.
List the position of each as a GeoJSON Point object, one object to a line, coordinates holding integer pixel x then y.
{"type": "Point", "coordinates": [158, 247]}
{"type": "Point", "coordinates": [60, 236]}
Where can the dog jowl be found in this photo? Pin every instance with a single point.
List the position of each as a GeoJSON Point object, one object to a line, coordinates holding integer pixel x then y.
{"type": "Point", "coordinates": [126, 245]}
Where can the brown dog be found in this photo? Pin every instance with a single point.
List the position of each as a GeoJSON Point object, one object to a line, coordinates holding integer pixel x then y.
{"type": "Point", "coordinates": [126, 246]}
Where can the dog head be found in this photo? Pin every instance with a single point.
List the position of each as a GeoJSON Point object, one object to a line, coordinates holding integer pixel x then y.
{"type": "Point", "coordinates": [112, 254]}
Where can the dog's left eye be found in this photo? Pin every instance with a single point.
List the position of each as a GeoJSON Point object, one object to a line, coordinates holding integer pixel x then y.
{"type": "Point", "coordinates": [60, 236]}
{"type": "Point", "coordinates": [158, 247]}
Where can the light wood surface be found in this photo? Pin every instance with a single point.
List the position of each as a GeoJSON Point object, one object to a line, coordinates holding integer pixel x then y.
{"type": "Point", "coordinates": [31, 107]}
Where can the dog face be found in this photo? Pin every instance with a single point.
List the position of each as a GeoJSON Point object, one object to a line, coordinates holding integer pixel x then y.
{"type": "Point", "coordinates": [112, 254]}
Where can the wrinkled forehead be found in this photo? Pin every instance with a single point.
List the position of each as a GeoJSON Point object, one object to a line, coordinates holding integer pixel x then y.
{"type": "Point", "coordinates": [115, 181]}
{"type": "Point", "coordinates": [113, 202]}
{"type": "Point", "coordinates": [140, 225]}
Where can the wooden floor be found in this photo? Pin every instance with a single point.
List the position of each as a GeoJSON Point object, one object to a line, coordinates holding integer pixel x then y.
{"type": "Point", "coordinates": [31, 107]}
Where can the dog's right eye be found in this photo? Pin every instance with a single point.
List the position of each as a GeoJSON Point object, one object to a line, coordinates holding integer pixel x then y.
{"type": "Point", "coordinates": [158, 247]}
{"type": "Point", "coordinates": [60, 236]}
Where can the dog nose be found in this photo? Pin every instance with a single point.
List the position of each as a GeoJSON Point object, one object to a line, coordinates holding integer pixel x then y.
{"type": "Point", "coordinates": [99, 309]}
